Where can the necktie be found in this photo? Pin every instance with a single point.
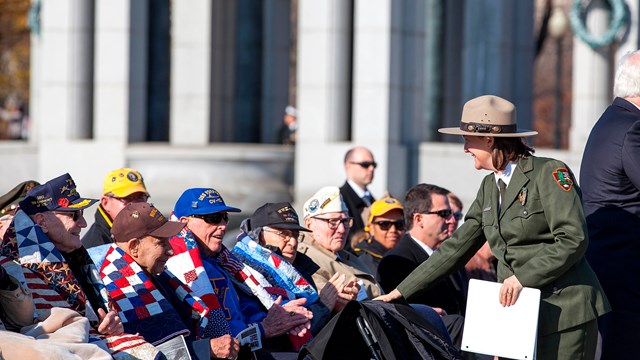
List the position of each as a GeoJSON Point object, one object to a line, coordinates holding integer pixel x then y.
{"type": "Point", "coordinates": [503, 190]}
{"type": "Point", "coordinates": [367, 198]}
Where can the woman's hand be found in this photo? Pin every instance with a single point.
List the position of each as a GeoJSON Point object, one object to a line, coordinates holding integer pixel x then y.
{"type": "Point", "coordinates": [110, 323]}
{"type": "Point", "coordinates": [393, 295]}
{"type": "Point", "coordinates": [510, 291]}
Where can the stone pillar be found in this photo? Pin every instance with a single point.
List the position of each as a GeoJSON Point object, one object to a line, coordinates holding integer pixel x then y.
{"type": "Point", "coordinates": [632, 39]}
{"type": "Point", "coordinates": [120, 71]}
{"type": "Point", "coordinates": [65, 70]}
{"type": "Point", "coordinates": [324, 93]}
{"type": "Point", "coordinates": [324, 69]}
{"type": "Point", "coordinates": [387, 86]}
{"type": "Point", "coordinates": [190, 72]}
{"type": "Point", "coordinates": [591, 84]}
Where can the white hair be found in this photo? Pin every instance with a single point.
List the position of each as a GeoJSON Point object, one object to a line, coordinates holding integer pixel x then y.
{"type": "Point", "coordinates": [627, 80]}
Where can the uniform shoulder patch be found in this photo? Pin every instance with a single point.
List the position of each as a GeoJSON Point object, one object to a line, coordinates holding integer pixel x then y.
{"type": "Point", "coordinates": [563, 179]}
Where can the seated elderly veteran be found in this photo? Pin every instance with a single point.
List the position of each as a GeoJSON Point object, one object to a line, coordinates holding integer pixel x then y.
{"type": "Point", "coordinates": [203, 263]}
{"type": "Point", "coordinates": [385, 228]}
{"type": "Point", "coordinates": [44, 239]}
{"type": "Point", "coordinates": [326, 215]}
{"type": "Point", "coordinates": [268, 244]}
{"type": "Point", "coordinates": [149, 299]}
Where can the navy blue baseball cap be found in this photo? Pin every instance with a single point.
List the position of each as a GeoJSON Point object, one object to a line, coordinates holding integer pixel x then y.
{"type": "Point", "coordinates": [201, 201]}
{"type": "Point", "coordinates": [58, 194]}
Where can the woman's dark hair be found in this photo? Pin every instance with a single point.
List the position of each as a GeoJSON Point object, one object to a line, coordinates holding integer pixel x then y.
{"type": "Point", "coordinates": [507, 149]}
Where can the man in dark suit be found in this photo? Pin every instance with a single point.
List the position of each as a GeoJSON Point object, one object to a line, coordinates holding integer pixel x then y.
{"type": "Point", "coordinates": [610, 176]}
{"type": "Point", "coordinates": [427, 217]}
{"type": "Point", "coordinates": [360, 166]}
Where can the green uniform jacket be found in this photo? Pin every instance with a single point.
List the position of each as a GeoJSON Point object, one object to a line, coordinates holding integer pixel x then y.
{"type": "Point", "coordinates": [542, 242]}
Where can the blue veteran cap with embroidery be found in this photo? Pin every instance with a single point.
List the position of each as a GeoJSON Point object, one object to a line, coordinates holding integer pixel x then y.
{"type": "Point", "coordinates": [58, 194]}
{"type": "Point", "coordinates": [200, 201]}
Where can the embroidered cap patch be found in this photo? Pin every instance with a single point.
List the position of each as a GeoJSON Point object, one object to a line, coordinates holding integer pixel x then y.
{"type": "Point", "coordinates": [561, 175]}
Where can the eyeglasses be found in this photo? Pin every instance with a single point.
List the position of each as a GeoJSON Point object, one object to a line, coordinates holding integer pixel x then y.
{"type": "Point", "coordinates": [457, 215]}
{"type": "Point", "coordinates": [133, 198]}
{"type": "Point", "coordinates": [445, 213]}
{"type": "Point", "coordinates": [286, 234]}
{"type": "Point", "coordinates": [365, 164]}
{"type": "Point", "coordinates": [75, 215]}
{"type": "Point", "coordinates": [334, 223]}
{"type": "Point", "coordinates": [385, 225]}
{"type": "Point", "coordinates": [213, 219]}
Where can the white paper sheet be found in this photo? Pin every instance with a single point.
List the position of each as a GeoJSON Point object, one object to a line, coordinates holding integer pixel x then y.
{"type": "Point", "coordinates": [490, 328]}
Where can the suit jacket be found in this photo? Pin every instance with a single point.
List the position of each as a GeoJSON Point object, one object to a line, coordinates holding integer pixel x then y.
{"type": "Point", "coordinates": [329, 264]}
{"type": "Point", "coordinates": [405, 257]}
{"type": "Point", "coordinates": [356, 205]}
{"type": "Point", "coordinates": [539, 237]}
{"type": "Point", "coordinates": [610, 176]}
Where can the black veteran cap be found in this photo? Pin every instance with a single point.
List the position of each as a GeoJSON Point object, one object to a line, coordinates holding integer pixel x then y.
{"type": "Point", "coordinates": [278, 215]}
{"type": "Point", "coordinates": [57, 194]}
{"type": "Point", "coordinates": [9, 201]}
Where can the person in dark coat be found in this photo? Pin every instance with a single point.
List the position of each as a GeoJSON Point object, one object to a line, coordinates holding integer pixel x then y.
{"type": "Point", "coordinates": [428, 216]}
{"type": "Point", "coordinates": [360, 166]}
{"type": "Point", "coordinates": [610, 175]}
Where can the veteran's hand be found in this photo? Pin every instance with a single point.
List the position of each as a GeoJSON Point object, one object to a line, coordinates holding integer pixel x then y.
{"type": "Point", "coordinates": [110, 323]}
{"type": "Point", "coordinates": [329, 293]}
{"type": "Point", "coordinates": [292, 317]}
{"type": "Point", "coordinates": [225, 347]}
{"type": "Point", "coordinates": [510, 291]}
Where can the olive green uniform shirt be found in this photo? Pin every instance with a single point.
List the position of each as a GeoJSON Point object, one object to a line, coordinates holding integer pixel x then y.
{"type": "Point", "coordinates": [539, 236]}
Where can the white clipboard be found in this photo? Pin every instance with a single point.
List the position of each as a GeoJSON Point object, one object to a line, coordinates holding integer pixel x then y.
{"type": "Point", "coordinates": [490, 328]}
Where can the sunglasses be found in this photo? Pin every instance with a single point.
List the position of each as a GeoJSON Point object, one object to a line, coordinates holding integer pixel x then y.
{"type": "Point", "coordinates": [457, 215]}
{"type": "Point", "coordinates": [133, 198]}
{"type": "Point", "coordinates": [365, 164]}
{"type": "Point", "coordinates": [213, 219]}
{"type": "Point", "coordinates": [385, 225]}
{"type": "Point", "coordinates": [445, 214]}
{"type": "Point", "coordinates": [75, 215]}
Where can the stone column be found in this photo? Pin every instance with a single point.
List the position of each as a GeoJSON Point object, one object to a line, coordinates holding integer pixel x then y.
{"type": "Point", "coordinates": [120, 71]}
{"type": "Point", "coordinates": [592, 85]}
{"type": "Point", "coordinates": [324, 93]}
{"type": "Point", "coordinates": [632, 40]}
{"type": "Point", "coordinates": [190, 72]}
{"type": "Point", "coordinates": [65, 70]}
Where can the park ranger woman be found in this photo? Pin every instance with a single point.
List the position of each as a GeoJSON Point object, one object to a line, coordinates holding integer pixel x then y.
{"type": "Point", "coordinates": [529, 210]}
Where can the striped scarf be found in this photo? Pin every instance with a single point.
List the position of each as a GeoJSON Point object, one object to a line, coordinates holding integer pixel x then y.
{"type": "Point", "coordinates": [187, 256]}
{"type": "Point", "coordinates": [276, 270]}
{"type": "Point", "coordinates": [143, 308]}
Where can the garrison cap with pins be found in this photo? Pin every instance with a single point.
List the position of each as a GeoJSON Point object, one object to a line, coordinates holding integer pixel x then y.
{"type": "Point", "coordinates": [488, 115]}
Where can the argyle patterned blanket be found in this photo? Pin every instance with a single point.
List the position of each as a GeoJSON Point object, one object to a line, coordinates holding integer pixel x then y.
{"type": "Point", "coordinates": [143, 309]}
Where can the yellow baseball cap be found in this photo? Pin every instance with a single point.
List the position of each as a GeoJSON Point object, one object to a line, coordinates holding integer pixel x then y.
{"type": "Point", "coordinates": [383, 206]}
{"type": "Point", "coordinates": [123, 182]}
